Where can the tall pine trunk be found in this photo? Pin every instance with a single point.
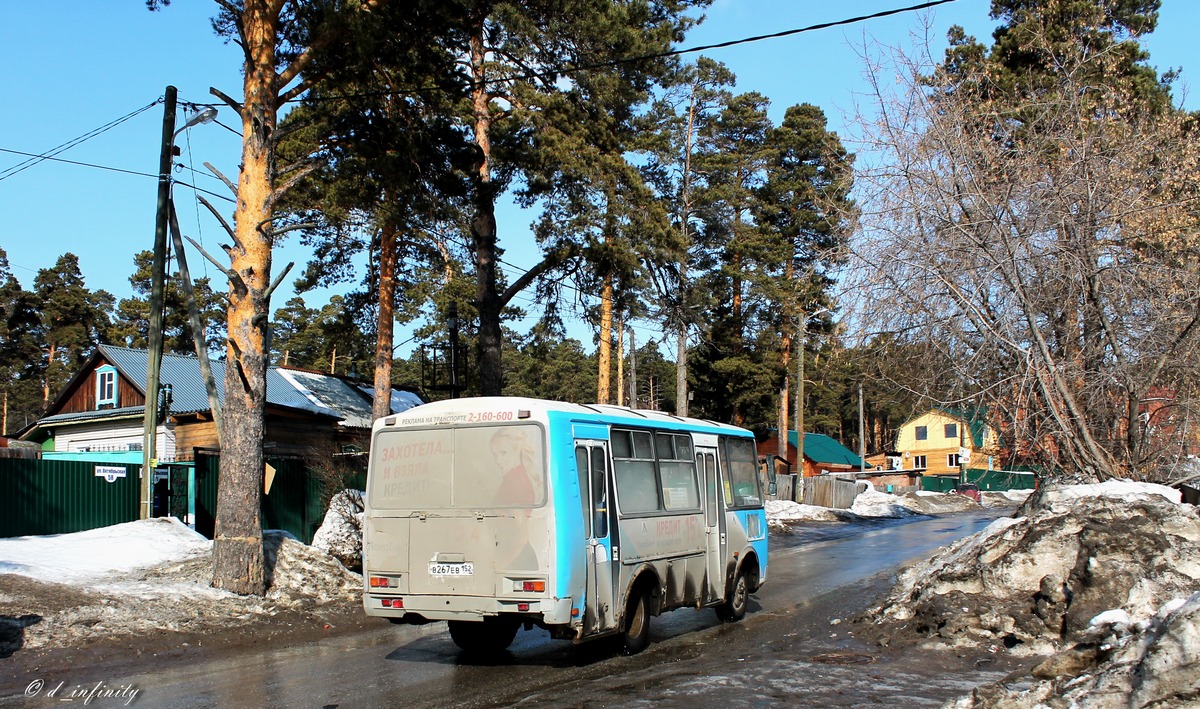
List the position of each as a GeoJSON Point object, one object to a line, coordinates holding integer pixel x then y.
{"type": "Point", "coordinates": [483, 228]}
{"type": "Point", "coordinates": [386, 321]}
{"type": "Point", "coordinates": [604, 347]}
{"type": "Point", "coordinates": [237, 544]}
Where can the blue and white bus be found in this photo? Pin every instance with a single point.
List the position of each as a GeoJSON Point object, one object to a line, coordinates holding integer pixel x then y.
{"type": "Point", "coordinates": [496, 513]}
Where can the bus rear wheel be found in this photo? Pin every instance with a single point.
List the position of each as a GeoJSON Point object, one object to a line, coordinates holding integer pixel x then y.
{"type": "Point", "coordinates": [491, 635]}
{"type": "Point", "coordinates": [636, 635]}
{"type": "Point", "coordinates": [734, 608]}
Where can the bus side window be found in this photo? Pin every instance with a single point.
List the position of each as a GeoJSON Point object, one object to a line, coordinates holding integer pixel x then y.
{"type": "Point", "coordinates": [600, 491]}
{"type": "Point", "coordinates": [581, 464]}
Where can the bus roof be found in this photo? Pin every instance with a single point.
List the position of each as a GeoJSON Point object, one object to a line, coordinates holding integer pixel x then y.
{"type": "Point", "coordinates": [488, 409]}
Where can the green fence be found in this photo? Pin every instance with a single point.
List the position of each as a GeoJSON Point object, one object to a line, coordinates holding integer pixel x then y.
{"type": "Point", "coordinates": [1001, 479]}
{"type": "Point", "coordinates": [985, 479]}
{"type": "Point", "coordinates": [40, 497]}
{"type": "Point", "coordinates": [294, 503]}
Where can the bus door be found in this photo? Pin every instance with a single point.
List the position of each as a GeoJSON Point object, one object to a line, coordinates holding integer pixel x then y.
{"type": "Point", "coordinates": [603, 571]}
{"type": "Point", "coordinates": [714, 524]}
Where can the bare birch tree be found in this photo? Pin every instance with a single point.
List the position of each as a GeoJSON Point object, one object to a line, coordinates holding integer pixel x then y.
{"type": "Point", "coordinates": [1040, 235]}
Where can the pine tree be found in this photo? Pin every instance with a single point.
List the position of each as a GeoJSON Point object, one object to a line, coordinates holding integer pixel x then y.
{"type": "Point", "coordinates": [133, 314]}
{"type": "Point", "coordinates": [73, 321]}
{"type": "Point", "coordinates": [21, 367]}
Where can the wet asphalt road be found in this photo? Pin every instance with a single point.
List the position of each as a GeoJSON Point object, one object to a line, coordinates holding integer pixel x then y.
{"type": "Point", "coordinates": [792, 649]}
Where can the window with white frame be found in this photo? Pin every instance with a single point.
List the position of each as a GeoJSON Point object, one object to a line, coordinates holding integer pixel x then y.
{"type": "Point", "coordinates": [106, 387]}
{"type": "Point", "coordinates": [952, 460]}
{"type": "Point", "coordinates": [919, 462]}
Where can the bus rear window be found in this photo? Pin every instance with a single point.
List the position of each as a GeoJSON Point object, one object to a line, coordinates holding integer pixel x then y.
{"type": "Point", "coordinates": [458, 468]}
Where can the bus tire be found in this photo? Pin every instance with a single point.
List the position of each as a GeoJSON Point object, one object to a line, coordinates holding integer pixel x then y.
{"type": "Point", "coordinates": [636, 635]}
{"type": "Point", "coordinates": [490, 636]}
{"type": "Point", "coordinates": [734, 608]}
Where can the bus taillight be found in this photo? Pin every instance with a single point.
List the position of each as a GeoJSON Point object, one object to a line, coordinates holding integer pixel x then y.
{"type": "Point", "coordinates": [529, 586]}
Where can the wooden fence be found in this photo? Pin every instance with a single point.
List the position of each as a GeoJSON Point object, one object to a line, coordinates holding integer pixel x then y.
{"type": "Point", "coordinates": [828, 491]}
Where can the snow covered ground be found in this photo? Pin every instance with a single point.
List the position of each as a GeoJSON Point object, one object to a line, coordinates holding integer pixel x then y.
{"type": "Point", "coordinates": [150, 576]}
{"type": "Point", "coordinates": [104, 554]}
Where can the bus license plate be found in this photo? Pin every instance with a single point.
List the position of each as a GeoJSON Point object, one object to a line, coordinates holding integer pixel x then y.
{"type": "Point", "coordinates": [436, 569]}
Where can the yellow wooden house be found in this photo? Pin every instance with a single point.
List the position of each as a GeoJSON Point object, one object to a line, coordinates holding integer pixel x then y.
{"type": "Point", "coordinates": [944, 441]}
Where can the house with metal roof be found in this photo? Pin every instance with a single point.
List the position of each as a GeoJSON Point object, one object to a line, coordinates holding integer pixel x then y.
{"type": "Point", "coordinates": [945, 441]}
{"type": "Point", "coordinates": [822, 454]}
{"type": "Point", "coordinates": [100, 412]}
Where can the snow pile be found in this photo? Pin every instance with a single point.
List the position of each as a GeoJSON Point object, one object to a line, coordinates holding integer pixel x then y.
{"type": "Point", "coordinates": [1034, 583]}
{"type": "Point", "coordinates": [1063, 497]}
{"type": "Point", "coordinates": [302, 575]}
{"type": "Point", "coordinates": [96, 554]}
{"type": "Point", "coordinates": [784, 511]}
{"type": "Point", "coordinates": [1004, 498]}
{"type": "Point", "coordinates": [936, 503]}
{"type": "Point", "coordinates": [1118, 664]}
{"type": "Point", "coordinates": [141, 578]}
{"type": "Point", "coordinates": [340, 534]}
{"type": "Point", "coordinates": [872, 503]}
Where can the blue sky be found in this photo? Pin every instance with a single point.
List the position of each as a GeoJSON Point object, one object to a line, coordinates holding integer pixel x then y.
{"type": "Point", "coordinates": [72, 67]}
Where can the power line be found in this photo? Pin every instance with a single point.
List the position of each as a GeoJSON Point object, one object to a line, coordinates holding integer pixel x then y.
{"type": "Point", "coordinates": [118, 169]}
{"type": "Point", "coordinates": [76, 162]}
{"type": "Point", "coordinates": [555, 73]}
{"type": "Point", "coordinates": [34, 159]}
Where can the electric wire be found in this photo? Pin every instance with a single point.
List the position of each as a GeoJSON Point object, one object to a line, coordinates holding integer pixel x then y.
{"type": "Point", "coordinates": [553, 74]}
{"type": "Point", "coordinates": [34, 159]}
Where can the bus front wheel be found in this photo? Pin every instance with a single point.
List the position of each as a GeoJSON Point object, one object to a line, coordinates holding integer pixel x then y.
{"type": "Point", "coordinates": [491, 635]}
{"type": "Point", "coordinates": [637, 624]}
{"type": "Point", "coordinates": [734, 608]}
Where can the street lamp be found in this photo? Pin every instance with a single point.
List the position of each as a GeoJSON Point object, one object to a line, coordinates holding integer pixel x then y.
{"type": "Point", "coordinates": [157, 287]}
{"type": "Point", "coordinates": [207, 115]}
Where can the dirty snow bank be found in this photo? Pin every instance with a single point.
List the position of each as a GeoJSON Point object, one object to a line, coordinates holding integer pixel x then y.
{"type": "Point", "coordinates": [144, 577]}
{"type": "Point", "coordinates": [871, 503]}
{"type": "Point", "coordinates": [1035, 581]}
{"type": "Point", "coordinates": [340, 534]}
{"type": "Point", "coordinates": [784, 511]}
{"type": "Point", "coordinates": [1118, 664]}
{"type": "Point", "coordinates": [1092, 572]}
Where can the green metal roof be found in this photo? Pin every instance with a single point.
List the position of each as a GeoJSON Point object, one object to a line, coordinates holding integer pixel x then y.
{"type": "Point", "coordinates": [820, 448]}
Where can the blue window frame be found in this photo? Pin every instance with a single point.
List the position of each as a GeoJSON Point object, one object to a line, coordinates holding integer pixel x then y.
{"type": "Point", "coordinates": [106, 387]}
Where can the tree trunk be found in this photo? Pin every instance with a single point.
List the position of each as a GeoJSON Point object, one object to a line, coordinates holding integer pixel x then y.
{"type": "Point", "coordinates": [620, 363]}
{"type": "Point", "coordinates": [681, 369]}
{"type": "Point", "coordinates": [604, 348]}
{"type": "Point", "coordinates": [237, 544]}
{"type": "Point", "coordinates": [387, 316]}
{"type": "Point", "coordinates": [784, 393]}
{"type": "Point", "coordinates": [483, 228]}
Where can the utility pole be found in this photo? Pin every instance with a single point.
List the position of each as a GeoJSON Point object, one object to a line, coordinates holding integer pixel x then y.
{"type": "Point", "coordinates": [158, 279]}
{"type": "Point", "coordinates": [801, 340]}
{"type": "Point", "coordinates": [862, 441]}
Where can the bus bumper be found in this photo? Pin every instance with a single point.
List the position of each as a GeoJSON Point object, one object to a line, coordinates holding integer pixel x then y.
{"type": "Point", "coordinates": [551, 611]}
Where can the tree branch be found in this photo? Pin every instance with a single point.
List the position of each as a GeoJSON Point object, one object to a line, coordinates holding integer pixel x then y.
{"type": "Point", "coordinates": [279, 279]}
{"type": "Point", "coordinates": [229, 101]}
{"type": "Point", "coordinates": [221, 176]}
{"type": "Point", "coordinates": [220, 218]}
{"type": "Point", "coordinates": [229, 273]}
